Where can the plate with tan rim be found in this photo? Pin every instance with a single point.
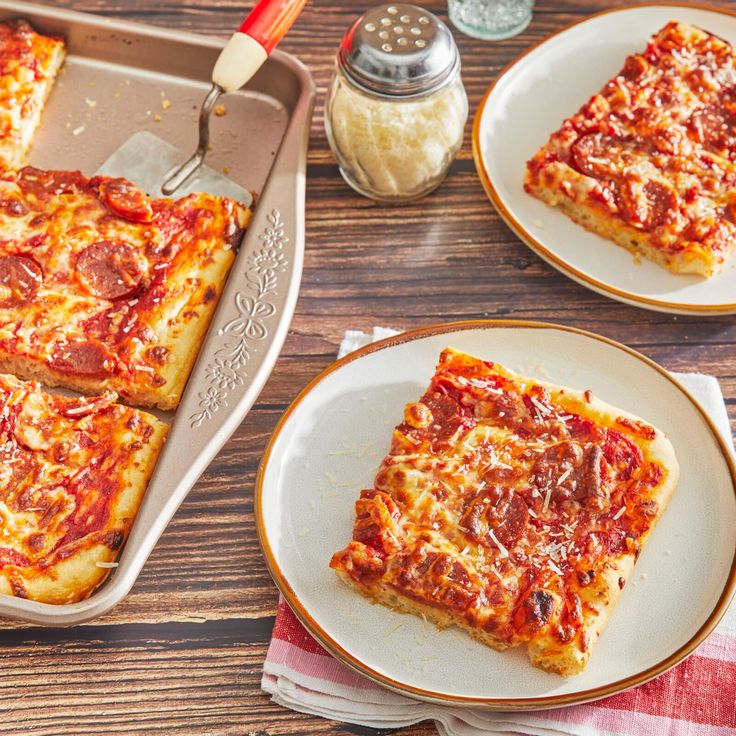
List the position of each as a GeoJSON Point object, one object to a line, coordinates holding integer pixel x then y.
{"type": "Point", "coordinates": [529, 101]}
{"type": "Point", "coordinates": [330, 442]}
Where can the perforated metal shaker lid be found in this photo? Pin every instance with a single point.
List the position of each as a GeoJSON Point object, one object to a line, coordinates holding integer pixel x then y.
{"type": "Point", "coordinates": [399, 50]}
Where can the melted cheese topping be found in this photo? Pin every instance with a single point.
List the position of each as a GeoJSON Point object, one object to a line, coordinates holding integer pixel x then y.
{"type": "Point", "coordinates": [64, 464]}
{"type": "Point", "coordinates": [28, 65]}
{"type": "Point", "coordinates": [94, 274]}
{"type": "Point", "coordinates": [501, 501]}
{"type": "Point", "coordinates": [656, 149]}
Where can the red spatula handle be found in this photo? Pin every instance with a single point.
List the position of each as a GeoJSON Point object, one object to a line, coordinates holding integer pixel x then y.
{"type": "Point", "coordinates": [269, 21]}
{"type": "Point", "coordinates": [251, 44]}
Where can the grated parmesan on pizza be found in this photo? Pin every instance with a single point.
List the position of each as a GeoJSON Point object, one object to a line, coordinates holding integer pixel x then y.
{"type": "Point", "coordinates": [512, 508]}
{"type": "Point", "coordinates": [102, 288]}
{"type": "Point", "coordinates": [650, 161]}
{"type": "Point", "coordinates": [72, 473]}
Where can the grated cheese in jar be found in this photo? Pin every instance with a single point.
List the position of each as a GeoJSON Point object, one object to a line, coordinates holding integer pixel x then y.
{"type": "Point", "coordinates": [395, 150]}
{"type": "Point", "coordinates": [396, 107]}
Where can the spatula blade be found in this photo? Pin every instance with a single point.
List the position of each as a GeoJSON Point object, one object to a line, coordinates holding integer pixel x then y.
{"type": "Point", "coordinates": [146, 160]}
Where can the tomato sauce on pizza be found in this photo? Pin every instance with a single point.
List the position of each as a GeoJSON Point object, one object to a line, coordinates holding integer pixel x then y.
{"type": "Point", "coordinates": [512, 508]}
{"type": "Point", "coordinates": [649, 162]}
{"type": "Point", "coordinates": [102, 288]}
{"type": "Point", "coordinates": [72, 472]}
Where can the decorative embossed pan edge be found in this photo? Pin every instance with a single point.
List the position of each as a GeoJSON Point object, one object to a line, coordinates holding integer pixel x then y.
{"type": "Point", "coordinates": [257, 304]}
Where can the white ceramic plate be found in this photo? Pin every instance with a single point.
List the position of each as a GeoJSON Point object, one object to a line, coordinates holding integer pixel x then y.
{"type": "Point", "coordinates": [330, 443]}
{"type": "Point", "coordinates": [530, 100]}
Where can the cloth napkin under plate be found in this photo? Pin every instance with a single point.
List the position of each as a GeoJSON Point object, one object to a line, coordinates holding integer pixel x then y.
{"type": "Point", "coordinates": [696, 698]}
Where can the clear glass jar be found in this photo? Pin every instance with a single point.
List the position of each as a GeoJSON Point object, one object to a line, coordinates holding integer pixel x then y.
{"type": "Point", "coordinates": [394, 150]}
{"type": "Point", "coordinates": [490, 20]}
{"type": "Point", "coordinates": [396, 145]}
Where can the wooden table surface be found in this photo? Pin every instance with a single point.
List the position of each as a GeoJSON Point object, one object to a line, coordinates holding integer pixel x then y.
{"type": "Point", "coordinates": [182, 654]}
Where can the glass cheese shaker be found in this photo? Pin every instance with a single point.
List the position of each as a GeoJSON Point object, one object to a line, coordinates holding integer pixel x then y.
{"type": "Point", "coordinates": [396, 106]}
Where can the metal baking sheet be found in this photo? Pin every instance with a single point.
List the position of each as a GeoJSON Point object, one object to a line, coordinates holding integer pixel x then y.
{"type": "Point", "coordinates": [122, 77]}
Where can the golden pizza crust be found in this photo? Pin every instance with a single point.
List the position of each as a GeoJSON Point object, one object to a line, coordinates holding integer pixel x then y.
{"type": "Point", "coordinates": [570, 659]}
{"type": "Point", "coordinates": [596, 219]}
{"type": "Point", "coordinates": [31, 370]}
{"type": "Point", "coordinates": [184, 333]}
{"type": "Point", "coordinates": [598, 598]}
{"type": "Point", "coordinates": [392, 598]}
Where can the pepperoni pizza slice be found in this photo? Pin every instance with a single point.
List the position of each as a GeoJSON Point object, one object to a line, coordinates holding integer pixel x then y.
{"type": "Point", "coordinates": [29, 63]}
{"type": "Point", "coordinates": [512, 508]}
{"type": "Point", "coordinates": [650, 161]}
{"type": "Point", "coordinates": [102, 288]}
{"type": "Point", "coordinates": [72, 475]}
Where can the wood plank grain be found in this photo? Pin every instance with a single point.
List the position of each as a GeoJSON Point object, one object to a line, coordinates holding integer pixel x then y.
{"type": "Point", "coordinates": [182, 654]}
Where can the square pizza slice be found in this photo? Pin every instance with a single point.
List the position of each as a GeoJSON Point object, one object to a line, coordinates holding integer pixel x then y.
{"type": "Point", "coordinates": [102, 288]}
{"type": "Point", "coordinates": [650, 161]}
{"type": "Point", "coordinates": [512, 508]}
{"type": "Point", "coordinates": [73, 472]}
{"type": "Point", "coordinates": [29, 63]}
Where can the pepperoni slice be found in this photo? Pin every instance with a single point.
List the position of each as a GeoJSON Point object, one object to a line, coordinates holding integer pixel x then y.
{"type": "Point", "coordinates": [648, 206]}
{"type": "Point", "coordinates": [498, 510]}
{"type": "Point", "coordinates": [448, 416]}
{"type": "Point", "coordinates": [589, 154]}
{"type": "Point", "coordinates": [43, 184]}
{"type": "Point", "coordinates": [87, 358]}
{"type": "Point", "coordinates": [16, 465]}
{"type": "Point", "coordinates": [110, 269]}
{"type": "Point", "coordinates": [661, 201]}
{"type": "Point", "coordinates": [634, 67]}
{"type": "Point", "coordinates": [124, 199]}
{"type": "Point", "coordinates": [508, 515]}
{"type": "Point", "coordinates": [13, 207]}
{"type": "Point", "coordinates": [20, 278]}
{"type": "Point", "coordinates": [561, 461]}
{"type": "Point", "coordinates": [714, 126]}
{"type": "Point", "coordinates": [445, 414]}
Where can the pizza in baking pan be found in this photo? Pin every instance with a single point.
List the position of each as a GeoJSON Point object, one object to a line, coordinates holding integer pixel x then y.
{"type": "Point", "coordinates": [512, 508]}
{"type": "Point", "coordinates": [103, 288]}
{"type": "Point", "coordinates": [650, 161]}
{"type": "Point", "coordinates": [29, 63]}
{"type": "Point", "coordinates": [72, 475]}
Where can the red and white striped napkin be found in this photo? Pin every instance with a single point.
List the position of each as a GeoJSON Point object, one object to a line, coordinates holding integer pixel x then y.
{"type": "Point", "coordinates": [696, 698]}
